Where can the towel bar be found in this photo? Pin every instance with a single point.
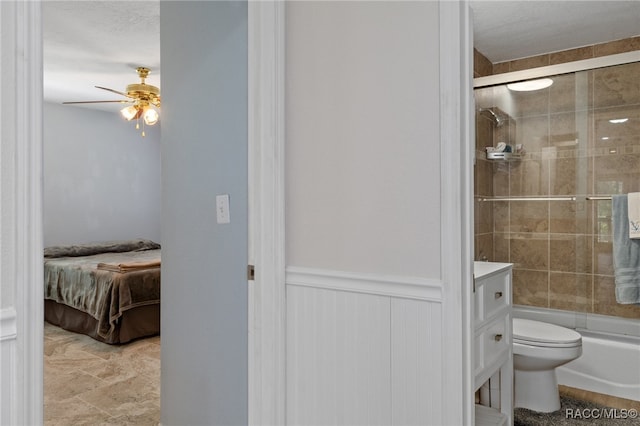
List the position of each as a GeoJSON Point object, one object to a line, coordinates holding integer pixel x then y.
{"type": "Point", "coordinates": [526, 198]}
{"type": "Point", "coordinates": [573, 198]}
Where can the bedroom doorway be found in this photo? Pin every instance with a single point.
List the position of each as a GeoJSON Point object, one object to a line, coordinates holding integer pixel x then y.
{"type": "Point", "coordinates": [266, 245]}
{"type": "Point", "coordinates": [101, 183]}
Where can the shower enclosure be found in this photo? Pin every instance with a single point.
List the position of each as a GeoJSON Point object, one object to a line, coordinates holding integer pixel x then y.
{"type": "Point", "coordinates": [547, 163]}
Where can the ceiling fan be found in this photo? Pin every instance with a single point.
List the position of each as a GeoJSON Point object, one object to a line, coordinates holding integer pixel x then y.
{"type": "Point", "coordinates": [142, 97]}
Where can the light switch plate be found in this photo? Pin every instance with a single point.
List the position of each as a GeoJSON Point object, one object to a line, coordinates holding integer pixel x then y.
{"type": "Point", "coordinates": [222, 208]}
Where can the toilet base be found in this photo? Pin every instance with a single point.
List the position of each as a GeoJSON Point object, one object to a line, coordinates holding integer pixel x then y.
{"type": "Point", "coordinates": [536, 390]}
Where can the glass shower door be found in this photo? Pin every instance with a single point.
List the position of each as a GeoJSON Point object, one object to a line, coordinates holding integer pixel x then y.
{"type": "Point", "coordinates": [546, 206]}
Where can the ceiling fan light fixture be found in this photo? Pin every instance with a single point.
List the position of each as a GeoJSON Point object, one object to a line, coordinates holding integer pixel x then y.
{"type": "Point", "coordinates": [130, 112]}
{"type": "Point", "coordinates": [150, 116]}
{"type": "Point", "coordinates": [142, 97]}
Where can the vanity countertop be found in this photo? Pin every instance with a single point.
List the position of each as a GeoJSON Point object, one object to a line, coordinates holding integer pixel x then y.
{"type": "Point", "coordinates": [482, 269]}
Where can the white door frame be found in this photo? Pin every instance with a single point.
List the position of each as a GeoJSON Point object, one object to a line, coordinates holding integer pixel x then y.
{"type": "Point", "coordinates": [22, 25]}
{"type": "Point", "coordinates": [457, 148]}
{"type": "Point", "coordinates": [266, 213]}
{"type": "Point", "coordinates": [267, 324]}
{"type": "Point", "coordinates": [21, 125]}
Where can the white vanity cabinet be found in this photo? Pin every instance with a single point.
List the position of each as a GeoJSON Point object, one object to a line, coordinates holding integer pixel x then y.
{"type": "Point", "coordinates": [493, 352]}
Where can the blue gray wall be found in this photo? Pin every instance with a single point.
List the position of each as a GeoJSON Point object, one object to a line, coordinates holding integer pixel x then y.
{"type": "Point", "coordinates": [204, 154]}
{"type": "Point", "coordinates": [101, 178]}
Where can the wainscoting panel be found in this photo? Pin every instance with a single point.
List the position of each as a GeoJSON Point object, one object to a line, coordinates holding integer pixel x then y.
{"type": "Point", "coordinates": [416, 353]}
{"type": "Point", "coordinates": [359, 358]}
{"type": "Point", "coordinates": [338, 358]}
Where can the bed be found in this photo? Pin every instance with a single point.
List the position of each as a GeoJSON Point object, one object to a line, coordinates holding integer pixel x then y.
{"type": "Point", "coordinates": [109, 291]}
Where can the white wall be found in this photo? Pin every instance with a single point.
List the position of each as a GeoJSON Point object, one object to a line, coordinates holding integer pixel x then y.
{"type": "Point", "coordinates": [363, 137]}
{"type": "Point", "coordinates": [204, 153]}
{"type": "Point", "coordinates": [102, 179]}
{"type": "Point", "coordinates": [364, 295]}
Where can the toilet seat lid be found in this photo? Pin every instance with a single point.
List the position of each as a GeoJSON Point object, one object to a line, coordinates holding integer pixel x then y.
{"type": "Point", "coordinates": [542, 332]}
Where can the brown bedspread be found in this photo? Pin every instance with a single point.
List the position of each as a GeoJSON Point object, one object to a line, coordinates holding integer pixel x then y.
{"type": "Point", "coordinates": [103, 294]}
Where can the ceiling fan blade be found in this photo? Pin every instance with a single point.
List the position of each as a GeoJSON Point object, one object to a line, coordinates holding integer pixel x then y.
{"type": "Point", "coordinates": [114, 91]}
{"type": "Point", "coordinates": [124, 101]}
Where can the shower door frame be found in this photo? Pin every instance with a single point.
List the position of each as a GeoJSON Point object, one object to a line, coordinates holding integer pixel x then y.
{"type": "Point", "coordinates": [550, 70]}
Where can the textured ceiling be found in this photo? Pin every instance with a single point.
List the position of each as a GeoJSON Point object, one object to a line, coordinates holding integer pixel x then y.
{"type": "Point", "coordinates": [506, 30]}
{"type": "Point", "coordinates": [98, 43]}
{"type": "Point", "coordinates": [89, 43]}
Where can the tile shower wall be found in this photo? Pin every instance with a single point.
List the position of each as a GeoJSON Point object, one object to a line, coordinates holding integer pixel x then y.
{"type": "Point", "coordinates": [561, 250]}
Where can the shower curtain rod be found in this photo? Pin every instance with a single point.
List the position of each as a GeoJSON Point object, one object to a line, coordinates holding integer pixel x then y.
{"type": "Point", "coordinates": [588, 197]}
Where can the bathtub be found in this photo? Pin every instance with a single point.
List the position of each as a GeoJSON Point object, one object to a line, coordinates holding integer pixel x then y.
{"type": "Point", "coordinates": [609, 364]}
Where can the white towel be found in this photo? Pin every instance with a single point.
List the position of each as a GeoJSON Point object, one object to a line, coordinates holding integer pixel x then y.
{"type": "Point", "coordinates": [634, 214]}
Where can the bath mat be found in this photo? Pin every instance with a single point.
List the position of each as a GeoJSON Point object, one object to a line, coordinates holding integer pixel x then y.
{"type": "Point", "coordinates": [576, 412]}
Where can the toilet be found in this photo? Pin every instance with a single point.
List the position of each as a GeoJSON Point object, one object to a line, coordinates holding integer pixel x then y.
{"type": "Point", "coordinates": [538, 348]}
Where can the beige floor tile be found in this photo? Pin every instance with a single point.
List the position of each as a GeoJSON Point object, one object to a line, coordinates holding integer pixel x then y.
{"type": "Point", "coordinates": [134, 396]}
{"type": "Point", "coordinates": [72, 409]}
{"type": "Point", "coordinates": [87, 382]}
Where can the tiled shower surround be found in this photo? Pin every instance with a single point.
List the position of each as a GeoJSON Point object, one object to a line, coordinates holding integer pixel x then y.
{"type": "Point", "coordinates": [561, 249]}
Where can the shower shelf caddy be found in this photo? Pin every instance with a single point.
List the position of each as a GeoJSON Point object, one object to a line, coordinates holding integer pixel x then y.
{"type": "Point", "coordinates": [505, 156]}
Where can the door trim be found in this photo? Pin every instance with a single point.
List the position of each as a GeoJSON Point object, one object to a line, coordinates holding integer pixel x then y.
{"type": "Point", "coordinates": [456, 150]}
{"type": "Point", "coordinates": [266, 308]}
{"type": "Point", "coordinates": [22, 123]}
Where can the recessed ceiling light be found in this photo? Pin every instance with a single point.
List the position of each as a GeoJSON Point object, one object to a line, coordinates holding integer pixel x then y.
{"type": "Point", "coordinates": [530, 85]}
{"type": "Point", "coordinates": [618, 120]}
{"type": "Point", "coordinates": [605, 138]}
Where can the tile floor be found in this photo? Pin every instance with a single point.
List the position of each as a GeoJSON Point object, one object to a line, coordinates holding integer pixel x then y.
{"type": "Point", "coordinates": [87, 382]}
